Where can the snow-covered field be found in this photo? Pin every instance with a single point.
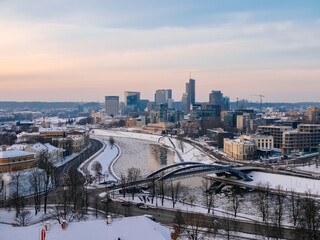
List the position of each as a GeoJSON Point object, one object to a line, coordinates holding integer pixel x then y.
{"type": "Point", "coordinates": [310, 168]}
{"type": "Point", "coordinates": [289, 183]}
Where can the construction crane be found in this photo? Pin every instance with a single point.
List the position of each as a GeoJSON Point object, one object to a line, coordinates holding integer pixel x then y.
{"type": "Point", "coordinates": [261, 96]}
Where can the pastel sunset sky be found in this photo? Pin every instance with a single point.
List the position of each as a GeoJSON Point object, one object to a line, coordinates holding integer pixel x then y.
{"type": "Point", "coordinates": [82, 50]}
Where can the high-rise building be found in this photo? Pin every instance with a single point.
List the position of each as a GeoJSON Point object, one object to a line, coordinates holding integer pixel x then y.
{"type": "Point", "coordinates": [132, 101]}
{"type": "Point", "coordinates": [189, 96]}
{"type": "Point", "coordinates": [112, 105]}
{"type": "Point", "coordinates": [216, 98]}
{"type": "Point", "coordinates": [191, 90]}
{"type": "Point", "coordinates": [163, 96]}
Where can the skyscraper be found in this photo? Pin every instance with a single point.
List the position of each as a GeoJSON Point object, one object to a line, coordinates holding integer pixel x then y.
{"type": "Point", "coordinates": [163, 96]}
{"type": "Point", "coordinates": [112, 105]}
{"type": "Point", "coordinates": [191, 90]}
{"type": "Point", "coordinates": [189, 96]}
{"type": "Point", "coordinates": [132, 101]}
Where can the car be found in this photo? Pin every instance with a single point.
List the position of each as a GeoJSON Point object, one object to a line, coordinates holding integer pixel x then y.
{"type": "Point", "coordinates": [111, 185]}
{"type": "Point", "coordinates": [153, 207]}
{"type": "Point", "coordinates": [139, 204]}
{"type": "Point", "coordinates": [144, 207]}
{"type": "Point", "coordinates": [125, 203]}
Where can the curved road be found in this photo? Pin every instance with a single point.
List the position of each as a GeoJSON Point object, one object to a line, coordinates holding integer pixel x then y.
{"type": "Point", "coordinates": [75, 163]}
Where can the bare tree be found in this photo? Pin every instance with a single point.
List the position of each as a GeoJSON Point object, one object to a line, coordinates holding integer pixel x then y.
{"type": "Point", "coordinates": [263, 200]}
{"type": "Point", "coordinates": [111, 141]}
{"type": "Point", "coordinates": [184, 194]}
{"type": "Point", "coordinates": [236, 199]}
{"type": "Point", "coordinates": [230, 227]}
{"type": "Point", "coordinates": [309, 220]}
{"type": "Point", "coordinates": [123, 181]}
{"type": "Point", "coordinates": [295, 203]}
{"type": "Point", "coordinates": [35, 180]}
{"type": "Point", "coordinates": [76, 189]}
{"type": "Point", "coordinates": [60, 213]}
{"type": "Point", "coordinates": [97, 168]}
{"type": "Point", "coordinates": [16, 199]}
{"type": "Point", "coordinates": [153, 189]}
{"type": "Point", "coordinates": [191, 199]}
{"type": "Point", "coordinates": [208, 194]}
{"type": "Point", "coordinates": [175, 191]}
{"type": "Point", "coordinates": [278, 209]}
{"type": "Point", "coordinates": [49, 169]}
{"type": "Point", "coordinates": [133, 175]}
{"type": "Point", "coordinates": [196, 227]}
{"type": "Point", "coordinates": [162, 190]}
{"type": "Point", "coordinates": [23, 218]}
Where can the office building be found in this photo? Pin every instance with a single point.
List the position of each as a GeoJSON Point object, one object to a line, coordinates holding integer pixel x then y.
{"type": "Point", "coordinates": [314, 114]}
{"type": "Point", "coordinates": [189, 96]}
{"type": "Point", "coordinates": [276, 132]}
{"type": "Point", "coordinates": [112, 105]}
{"type": "Point", "coordinates": [163, 96]}
{"type": "Point", "coordinates": [216, 98]}
{"type": "Point", "coordinates": [305, 139]}
{"type": "Point", "coordinates": [132, 101]}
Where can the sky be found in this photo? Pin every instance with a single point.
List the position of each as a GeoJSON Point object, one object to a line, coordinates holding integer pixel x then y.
{"type": "Point", "coordinates": [80, 50]}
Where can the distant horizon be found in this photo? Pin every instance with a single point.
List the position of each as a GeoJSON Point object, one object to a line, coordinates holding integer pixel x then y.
{"type": "Point", "coordinates": [240, 100]}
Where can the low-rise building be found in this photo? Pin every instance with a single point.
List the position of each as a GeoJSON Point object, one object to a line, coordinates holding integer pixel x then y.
{"type": "Point", "coordinates": [262, 142]}
{"type": "Point", "coordinates": [239, 149]}
{"type": "Point", "coordinates": [16, 160]}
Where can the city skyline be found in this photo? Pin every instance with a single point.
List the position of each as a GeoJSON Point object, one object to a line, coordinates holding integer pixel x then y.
{"type": "Point", "coordinates": [80, 51]}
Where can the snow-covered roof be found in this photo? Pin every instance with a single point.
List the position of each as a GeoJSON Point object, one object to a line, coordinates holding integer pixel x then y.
{"type": "Point", "coordinates": [50, 147]}
{"type": "Point", "coordinates": [39, 147]}
{"type": "Point", "coordinates": [21, 147]}
{"type": "Point", "coordinates": [129, 228]}
{"type": "Point", "coordinates": [55, 129]}
{"type": "Point", "coordinates": [14, 153]}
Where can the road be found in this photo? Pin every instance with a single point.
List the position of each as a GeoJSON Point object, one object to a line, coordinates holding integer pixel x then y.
{"type": "Point", "coordinates": [171, 217]}
{"type": "Point", "coordinates": [75, 163]}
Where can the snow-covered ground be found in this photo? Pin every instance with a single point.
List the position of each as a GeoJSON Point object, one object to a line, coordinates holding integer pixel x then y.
{"type": "Point", "coordinates": [24, 183]}
{"type": "Point", "coordinates": [289, 183]}
{"type": "Point", "coordinates": [130, 228]}
{"type": "Point", "coordinates": [106, 157]}
{"type": "Point", "coordinates": [310, 168]}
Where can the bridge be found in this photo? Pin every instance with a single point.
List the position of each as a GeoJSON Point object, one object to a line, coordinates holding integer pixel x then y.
{"type": "Point", "coordinates": [195, 168]}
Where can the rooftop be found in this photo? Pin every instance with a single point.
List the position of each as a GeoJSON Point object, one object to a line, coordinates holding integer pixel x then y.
{"type": "Point", "coordinates": [129, 228]}
{"type": "Point", "coordinates": [14, 153]}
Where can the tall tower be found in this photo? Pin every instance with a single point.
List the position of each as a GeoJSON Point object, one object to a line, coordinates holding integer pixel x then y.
{"type": "Point", "coordinates": [189, 96]}
{"type": "Point", "coordinates": [191, 90]}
